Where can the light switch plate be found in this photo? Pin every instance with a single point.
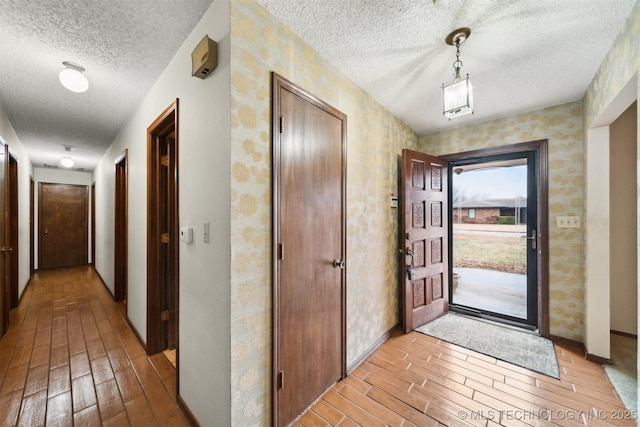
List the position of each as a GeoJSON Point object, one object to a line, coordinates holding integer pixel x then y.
{"type": "Point", "coordinates": [568, 221]}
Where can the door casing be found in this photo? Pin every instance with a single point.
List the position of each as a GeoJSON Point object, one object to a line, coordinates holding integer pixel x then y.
{"type": "Point", "coordinates": [162, 258]}
{"type": "Point", "coordinates": [121, 229]}
{"type": "Point", "coordinates": [77, 246]}
{"type": "Point", "coordinates": [540, 148]}
{"type": "Point", "coordinates": [13, 230]}
{"type": "Point", "coordinates": [280, 83]}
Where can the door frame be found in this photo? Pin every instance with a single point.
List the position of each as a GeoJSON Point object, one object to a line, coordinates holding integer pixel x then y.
{"type": "Point", "coordinates": [121, 228]}
{"type": "Point", "coordinates": [540, 148]}
{"type": "Point", "coordinates": [92, 226]}
{"type": "Point", "coordinates": [277, 83]}
{"type": "Point", "coordinates": [166, 123]}
{"type": "Point", "coordinates": [13, 230]}
{"type": "Point", "coordinates": [32, 225]}
{"type": "Point", "coordinates": [41, 185]}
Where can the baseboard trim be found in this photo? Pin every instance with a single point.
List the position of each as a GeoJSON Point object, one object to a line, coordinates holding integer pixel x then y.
{"type": "Point", "coordinates": [191, 419]}
{"type": "Point", "coordinates": [103, 282]}
{"type": "Point", "coordinates": [371, 349]}
{"type": "Point", "coordinates": [624, 334]}
{"type": "Point", "coordinates": [568, 341]}
{"type": "Point", "coordinates": [24, 291]}
{"type": "Point", "coordinates": [588, 356]}
{"type": "Point", "coordinates": [126, 318]}
{"type": "Point", "coordinates": [599, 360]}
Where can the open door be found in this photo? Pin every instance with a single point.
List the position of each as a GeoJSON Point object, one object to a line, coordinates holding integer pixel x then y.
{"type": "Point", "coordinates": [424, 239]}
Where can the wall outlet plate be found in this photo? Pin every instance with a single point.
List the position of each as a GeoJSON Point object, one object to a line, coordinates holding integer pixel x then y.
{"type": "Point", "coordinates": [568, 221]}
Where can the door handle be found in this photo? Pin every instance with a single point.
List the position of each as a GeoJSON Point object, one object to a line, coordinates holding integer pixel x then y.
{"type": "Point", "coordinates": [5, 249]}
{"type": "Point", "coordinates": [532, 238]}
{"type": "Point", "coordinates": [46, 231]}
{"type": "Point", "coordinates": [338, 263]}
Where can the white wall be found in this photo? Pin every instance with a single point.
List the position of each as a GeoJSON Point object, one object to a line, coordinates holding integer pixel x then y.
{"type": "Point", "coordinates": [25, 170]}
{"type": "Point", "coordinates": [59, 176]}
{"type": "Point", "coordinates": [204, 196]}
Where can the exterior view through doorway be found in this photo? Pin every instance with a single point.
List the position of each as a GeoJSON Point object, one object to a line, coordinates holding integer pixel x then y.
{"type": "Point", "coordinates": [498, 234]}
{"type": "Point", "coordinates": [474, 230]}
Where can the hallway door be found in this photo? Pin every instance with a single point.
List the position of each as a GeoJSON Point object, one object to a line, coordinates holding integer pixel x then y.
{"type": "Point", "coordinates": [62, 225]}
{"type": "Point", "coordinates": [121, 238]}
{"type": "Point", "coordinates": [309, 182]}
{"type": "Point", "coordinates": [5, 249]}
{"type": "Point", "coordinates": [162, 232]}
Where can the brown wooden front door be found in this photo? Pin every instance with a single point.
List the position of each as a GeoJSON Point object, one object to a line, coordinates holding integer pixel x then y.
{"type": "Point", "coordinates": [309, 247]}
{"type": "Point", "coordinates": [62, 225]}
{"type": "Point", "coordinates": [424, 225]}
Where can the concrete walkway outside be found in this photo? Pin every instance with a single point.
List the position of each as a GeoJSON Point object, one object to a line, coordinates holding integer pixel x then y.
{"type": "Point", "coordinates": [503, 293]}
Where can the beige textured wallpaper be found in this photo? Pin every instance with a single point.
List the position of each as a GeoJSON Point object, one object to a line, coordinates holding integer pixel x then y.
{"type": "Point", "coordinates": [562, 126]}
{"type": "Point", "coordinates": [260, 44]}
{"type": "Point", "coordinates": [620, 66]}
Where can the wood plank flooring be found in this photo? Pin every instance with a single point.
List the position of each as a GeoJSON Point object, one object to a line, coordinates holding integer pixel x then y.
{"type": "Point", "coordinates": [70, 358]}
{"type": "Point", "coordinates": [417, 380]}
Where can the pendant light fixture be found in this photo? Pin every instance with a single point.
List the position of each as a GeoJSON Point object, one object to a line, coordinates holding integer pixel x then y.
{"type": "Point", "coordinates": [73, 78]}
{"type": "Point", "coordinates": [458, 96]}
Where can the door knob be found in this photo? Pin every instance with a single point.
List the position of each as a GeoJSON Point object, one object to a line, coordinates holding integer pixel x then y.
{"type": "Point", "coordinates": [338, 263]}
{"type": "Point", "coordinates": [46, 231]}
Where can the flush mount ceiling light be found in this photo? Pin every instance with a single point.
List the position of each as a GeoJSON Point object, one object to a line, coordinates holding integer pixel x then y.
{"type": "Point", "coordinates": [458, 96]}
{"type": "Point", "coordinates": [67, 162]}
{"type": "Point", "coordinates": [73, 78]}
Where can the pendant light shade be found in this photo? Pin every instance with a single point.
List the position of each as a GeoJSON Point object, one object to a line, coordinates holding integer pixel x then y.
{"type": "Point", "coordinates": [73, 78]}
{"type": "Point", "coordinates": [457, 97]}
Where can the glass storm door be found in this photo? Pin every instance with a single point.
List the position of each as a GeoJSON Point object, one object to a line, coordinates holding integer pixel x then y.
{"type": "Point", "coordinates": [493, 238]}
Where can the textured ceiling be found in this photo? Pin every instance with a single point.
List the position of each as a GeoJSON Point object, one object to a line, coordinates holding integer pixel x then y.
{"type": "Point", "coordinates": [522, 55]}
{"type": "Point", "coordinates": [124, 45]}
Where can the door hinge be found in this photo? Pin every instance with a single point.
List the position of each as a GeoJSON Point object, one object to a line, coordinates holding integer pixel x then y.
{"type": "Point", "coordinates": [281, 251]}
{"type": "Point", "coordinates": [281, 379]}
{"type": "Point", "coordinates": [164, 238]}
{"type": "Point", "coordinates": [164, 160]}
{"type": "Point", "coordinates": [280, 124]}
{"type": "Point", "coordinates": [164, 315]}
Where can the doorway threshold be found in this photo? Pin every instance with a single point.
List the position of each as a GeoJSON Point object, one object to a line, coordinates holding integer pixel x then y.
{"type": "Point", "coordinates": [494, 320]}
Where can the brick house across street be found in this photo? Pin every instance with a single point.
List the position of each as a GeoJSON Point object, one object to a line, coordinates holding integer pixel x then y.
{"type": "Point", "coordinates": [491, 211]}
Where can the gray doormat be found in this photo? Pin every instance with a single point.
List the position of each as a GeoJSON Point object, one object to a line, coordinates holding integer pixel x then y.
{"type": "Point", "coordinates": [520, 348]}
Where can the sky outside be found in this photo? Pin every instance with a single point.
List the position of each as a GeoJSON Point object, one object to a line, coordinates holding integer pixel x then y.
{"type": "Point", "coordinates": [498, 183]}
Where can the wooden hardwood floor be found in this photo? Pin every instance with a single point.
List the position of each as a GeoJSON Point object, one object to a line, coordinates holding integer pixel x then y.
{"type": "Point", "coordinates": [69, 358]}
{"type": "Point", "coordinates": [418, 380]}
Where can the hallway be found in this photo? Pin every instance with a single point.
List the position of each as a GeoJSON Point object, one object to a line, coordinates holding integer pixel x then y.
{"type": "Point", "coordinates": [69, 358]}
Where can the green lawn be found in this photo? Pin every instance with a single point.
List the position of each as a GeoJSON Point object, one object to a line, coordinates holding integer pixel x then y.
{"type": "Point", "coordinates": [501, 253]}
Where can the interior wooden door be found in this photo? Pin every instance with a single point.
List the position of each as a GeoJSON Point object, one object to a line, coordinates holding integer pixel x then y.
{"type": "Point", "coordinates": [13, 230]}
{"type": "Point", "coordinates": [121, 240]}
{"type": "Point", "coordinates": [162, 232]}
{"type": "Point", "coordinates": [309, 243]}
{"type": "Point", "coordinates": [4, 241]}
{"type": "Point", "coordinates": [62, 225]}
{"type": "Point", "coordinates": [424, 225]}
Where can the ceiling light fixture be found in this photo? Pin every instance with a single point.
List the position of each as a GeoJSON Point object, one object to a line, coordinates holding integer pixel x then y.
{"type": "Point", "coordinates": [67, 162]}
{"type": "Point", "coordinates": [458, 96]}
{"type": "Point", "coordinates": [73, 78]}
